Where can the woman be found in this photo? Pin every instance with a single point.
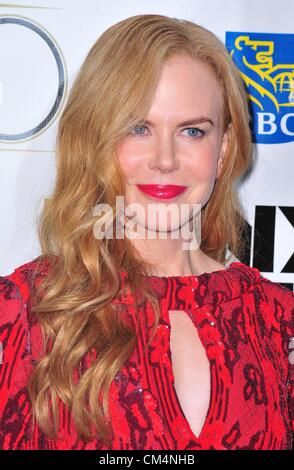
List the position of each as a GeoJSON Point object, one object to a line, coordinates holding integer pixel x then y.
{"type": "Point", "coordinates": [143, 342]}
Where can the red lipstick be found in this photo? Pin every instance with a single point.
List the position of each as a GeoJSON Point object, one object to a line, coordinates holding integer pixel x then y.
{"type": "Point", "coordinates": [162, 191]}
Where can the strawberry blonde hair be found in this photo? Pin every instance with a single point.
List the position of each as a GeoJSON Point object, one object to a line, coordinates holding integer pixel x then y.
{"type": "Point", "coordinates": [111, 93]}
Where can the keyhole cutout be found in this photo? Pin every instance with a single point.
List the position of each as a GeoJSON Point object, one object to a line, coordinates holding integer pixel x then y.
{"type": "Point", "coordinates": [191, 370]}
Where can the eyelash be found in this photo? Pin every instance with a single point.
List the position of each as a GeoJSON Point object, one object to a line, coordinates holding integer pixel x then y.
{"type": "Point", "coordinates": [192, 137]}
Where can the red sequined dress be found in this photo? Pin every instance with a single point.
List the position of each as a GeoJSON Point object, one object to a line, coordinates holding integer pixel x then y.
{"type": "Point", "coordinates": [245, 323]}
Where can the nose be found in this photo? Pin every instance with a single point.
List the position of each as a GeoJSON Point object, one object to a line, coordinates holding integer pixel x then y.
{"type": "Point", "coordinates": [164, 156]}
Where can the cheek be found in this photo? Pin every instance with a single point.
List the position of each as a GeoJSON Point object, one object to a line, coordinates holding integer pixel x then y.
{"type": "Point", "coordinates": [130, 158]}
{"type": "Point", "coordinates": [203, 165]}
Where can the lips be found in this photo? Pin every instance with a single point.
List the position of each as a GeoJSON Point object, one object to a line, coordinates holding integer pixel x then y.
{"type": "Point", "coordinates": [162, 191]}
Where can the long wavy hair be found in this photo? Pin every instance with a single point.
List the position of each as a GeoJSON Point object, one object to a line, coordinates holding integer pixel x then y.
{"type": "Point", "coordinates": [111, 93]}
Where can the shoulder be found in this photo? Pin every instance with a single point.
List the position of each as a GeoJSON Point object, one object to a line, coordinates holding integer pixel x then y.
{"type": "Point", "coordinates": [279, 305]}
{"type": "Point", "coordinates": [272, 302]}
{"type": "Point", "coordinates": [280, 298]}
{"type": "Point", "coordinates": [276, 300]}
{"type": "Point", "coordinates": [15, 290]}
{"type": "Point", "coordinates": [244, 279]}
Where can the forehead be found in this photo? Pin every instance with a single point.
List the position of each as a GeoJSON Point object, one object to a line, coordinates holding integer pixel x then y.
{"type": "Point", "coordinates": [187, 86]}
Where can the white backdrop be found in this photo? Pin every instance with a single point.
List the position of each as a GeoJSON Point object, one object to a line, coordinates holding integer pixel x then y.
{"type": "Point", "coordinates": [42, 45]}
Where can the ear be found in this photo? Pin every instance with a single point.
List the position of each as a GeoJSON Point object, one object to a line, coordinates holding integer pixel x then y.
{"type": "Point", "coordinates": [223, 150]}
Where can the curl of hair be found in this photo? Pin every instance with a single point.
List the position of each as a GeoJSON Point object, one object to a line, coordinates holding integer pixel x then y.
{"type": "Point", "coordinates": [111, 93]}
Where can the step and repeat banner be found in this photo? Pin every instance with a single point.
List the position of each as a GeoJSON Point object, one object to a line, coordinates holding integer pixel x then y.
{"type": "Point", "coordinates": [42, 46]}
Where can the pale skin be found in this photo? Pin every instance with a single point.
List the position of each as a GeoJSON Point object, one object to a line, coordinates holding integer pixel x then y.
{"type": "Point", "coordinates": [166, 152]}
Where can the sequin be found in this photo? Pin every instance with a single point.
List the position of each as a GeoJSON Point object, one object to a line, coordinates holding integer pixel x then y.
{"type": "Point", "coordinates": [245, 324]}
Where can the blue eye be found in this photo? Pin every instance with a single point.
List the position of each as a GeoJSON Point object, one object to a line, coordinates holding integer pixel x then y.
{"type": "Point", "coordinates": [195, 132]}
{"type": "Point", "coordinates": [138, 127]}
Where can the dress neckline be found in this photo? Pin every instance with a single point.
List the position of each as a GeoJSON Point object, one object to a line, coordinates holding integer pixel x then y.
{"type": "Point", "coordinates": [193, 277]}
{"type": "Point", "coordinates": [234, 280]}
{"type": "Point", "coordinates": [188, 276]}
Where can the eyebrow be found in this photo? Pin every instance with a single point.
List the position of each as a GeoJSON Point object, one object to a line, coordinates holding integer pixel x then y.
{"type": "Point", "coordinates": [191, 121]}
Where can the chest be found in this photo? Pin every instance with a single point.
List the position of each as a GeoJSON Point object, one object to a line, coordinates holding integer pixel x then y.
{"type": "Point", "coordinates": [191, 369]}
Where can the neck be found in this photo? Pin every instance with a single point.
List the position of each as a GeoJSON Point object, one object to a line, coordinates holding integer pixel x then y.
{"type": "Point", "coordinates": [168, 258]}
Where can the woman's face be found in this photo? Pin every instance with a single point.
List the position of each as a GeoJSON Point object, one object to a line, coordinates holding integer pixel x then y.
{"type": "Point", "coordinates": [179, 143]}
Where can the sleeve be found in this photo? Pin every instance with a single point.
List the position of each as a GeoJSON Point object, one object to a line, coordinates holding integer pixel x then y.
{"type": "Point", "coordinates": [14, 340]}
{"type": "Point", "coordinates": [281, 303]}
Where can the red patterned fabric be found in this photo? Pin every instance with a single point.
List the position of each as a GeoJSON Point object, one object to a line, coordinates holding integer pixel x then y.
{"type": "Point", "coordinates": [245, 323]}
